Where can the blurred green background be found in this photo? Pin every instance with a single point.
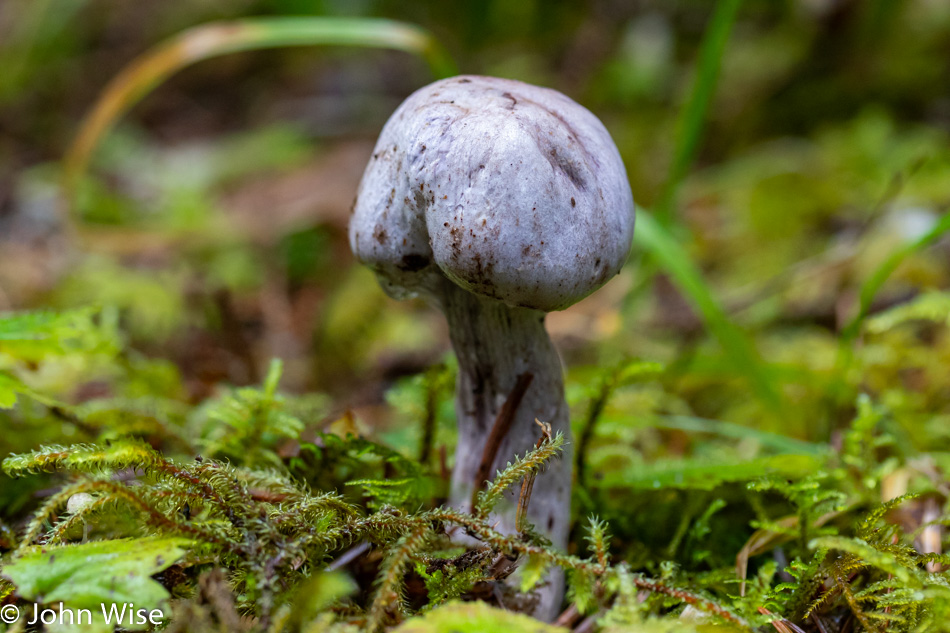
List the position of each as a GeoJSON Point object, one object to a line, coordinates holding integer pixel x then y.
{"type": "Point", "coordinates": [214, 219]}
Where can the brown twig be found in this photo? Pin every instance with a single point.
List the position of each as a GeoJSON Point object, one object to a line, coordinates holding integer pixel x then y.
{"type": "Point", "coordinates": [75, 420]}
{"type": "Point", "coordinates": [568, 617]}
{"type": "Point", "coordinates": [429, 420]}
{"type": "Point", "coordinates": [781, 625]}
{"type": "Point", "coordinates": [267, 496]}
{"type": "Point", "coordinates": [349, 556]}
{"type": "Point", "coordinates": [499, 430]}
{"type": "Point", "coordinates": [527, 485]}
{"type": "Point", "coordinates": [587, 624]}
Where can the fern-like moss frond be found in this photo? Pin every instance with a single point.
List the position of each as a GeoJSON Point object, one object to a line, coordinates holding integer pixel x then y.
{"type": "Point", "coordinates": [532, 462]}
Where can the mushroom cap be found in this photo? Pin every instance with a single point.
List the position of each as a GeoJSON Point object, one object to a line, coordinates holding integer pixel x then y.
{"type": "Point", "coordinates": [510, 190]}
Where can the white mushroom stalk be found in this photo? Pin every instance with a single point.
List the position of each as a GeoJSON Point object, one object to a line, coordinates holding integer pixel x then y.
{"type": "Point", "coordinates": [499, 202]}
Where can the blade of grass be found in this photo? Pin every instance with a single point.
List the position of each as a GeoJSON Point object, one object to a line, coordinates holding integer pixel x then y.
{"type": "Point", "coordinates": [839, 389]}
{"type": "Point", "coordinates": [651, 236]}
{"type": "Point", "coordinates": [692, 117]}
{"type": "Point", "coordinates": [220, 38]}
{"type": "Point", "coordinates": [780, 443]}
{"type": "Point", "coordinates": [872, 285]}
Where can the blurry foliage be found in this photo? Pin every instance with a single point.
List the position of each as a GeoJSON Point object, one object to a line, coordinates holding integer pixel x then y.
{"type": "Point", "coordinates": [762, 413]}
{"type": "Point", "coordinates": [280, 507]}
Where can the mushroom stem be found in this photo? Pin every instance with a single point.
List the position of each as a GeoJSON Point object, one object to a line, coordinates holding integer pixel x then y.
{"type": "Point", "coordinates": [496, 344]}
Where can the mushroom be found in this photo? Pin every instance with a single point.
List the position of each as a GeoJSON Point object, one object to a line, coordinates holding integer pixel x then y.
{"type": "Point", "coordinates": [498, 201]}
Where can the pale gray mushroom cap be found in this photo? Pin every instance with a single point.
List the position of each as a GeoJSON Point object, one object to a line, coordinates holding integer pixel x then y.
{"type": "Point", "coordinates": [512, 191]}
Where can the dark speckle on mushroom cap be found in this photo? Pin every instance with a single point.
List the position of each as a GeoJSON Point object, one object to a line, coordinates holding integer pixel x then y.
{"type": "Point", "coordinates": [510, 190]}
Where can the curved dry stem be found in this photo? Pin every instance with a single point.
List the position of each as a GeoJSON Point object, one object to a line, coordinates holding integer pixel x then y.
{"type": "Point", "coordinates": [202, 42]}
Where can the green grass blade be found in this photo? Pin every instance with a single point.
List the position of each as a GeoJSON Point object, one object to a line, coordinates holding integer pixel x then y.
{"type": "Point", "coordinates": [692, 118]}
{"type": "Point", "coordinates": [220, 38]}
{"type": "Point", "coordinates": [651, 236]}
{"type": "Point", "coordinates": [707, 473]}
{"type": "Point", "coordinates": [872, 285]}
{"type": "Point", "coordinates": [774, 441]}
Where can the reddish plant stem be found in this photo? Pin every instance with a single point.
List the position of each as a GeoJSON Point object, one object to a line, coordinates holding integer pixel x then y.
{"type": "Point", "coordinates": [503, 422]}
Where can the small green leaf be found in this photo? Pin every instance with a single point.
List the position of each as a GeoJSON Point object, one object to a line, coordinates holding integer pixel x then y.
{"type": "Point", "coordinates": [97, 573]}
{"type": "Point", "coordinates": [11, 387]}
{"type": "Point", "coordinates": [273, 377]}
{"type": "Point", "coordinates": [636, 370]}
{"type": "Point", "coordinates": [36, 335]}
{"type": "Point", "coordinates": [580, 590]}
{"type": "Point", "coordinates": [532, 571]}
{"type": "Point", "coordinates": [8, 391]}
{"type": "Point", "coordinates": [318, 592]}
{"type": "Point", "coordinates": [474, 617]}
